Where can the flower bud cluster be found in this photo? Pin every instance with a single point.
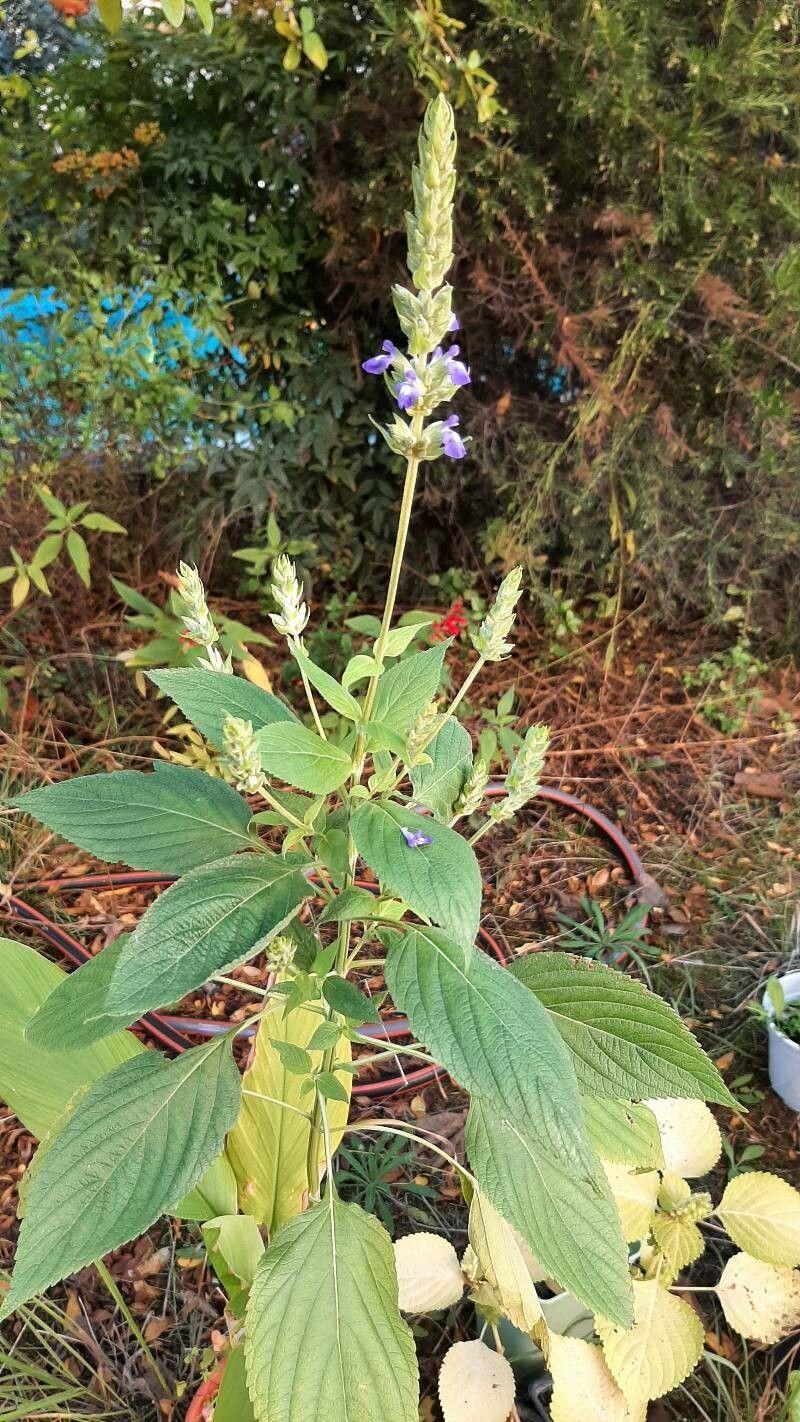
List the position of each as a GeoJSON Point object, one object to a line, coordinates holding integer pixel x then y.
{"type": "Point", "coordinates": [490, 639]}
{"type": "Point", "coordinates": [292, 617]}
{"type": "Point", "coordinates": [241, 761]}
{"type": "Point", "coordinates": [523, 778]}
{"type": "Point", "coordinates": [280, 954]}
{"type": "Point", "coordinates": [198, 621]}
{"type": "Point", "coordinates": [420, 734]}
{"type": "Point", "coordinates": [473, 790]}
{"type": "Point", "coordinates": [429, 227]}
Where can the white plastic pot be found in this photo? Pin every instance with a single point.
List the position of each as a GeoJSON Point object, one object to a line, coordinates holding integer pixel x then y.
{"type": "Point", "coordinates": [784, 1055]}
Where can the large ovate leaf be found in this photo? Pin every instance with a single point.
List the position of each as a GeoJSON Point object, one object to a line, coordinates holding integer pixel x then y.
{"type": "Point", "coordinates": [429, 1275]}
{"type": "Point", "coordinates": [493, 1037]}
{"type": "Point", "coordinates": [439, 782]}
{"type": "Point", "coordinates": [635, 1194]}
{"type": "Point", "coordinates": [268, 1145]}
{"type": "Point", "coordinates": [208, 698]}
{"type": "Point", "coordinates": [566, 1217]}
{"type": "Point", "coordinates": [172, 820]}
{"type": "Point", "coordinates": [625, 1132]}
{"type": "Point", "coordinates": [137, 1140]}
{"type": "Point", "coordinates": [36, 1083]}
{"type": "Point", "coordinates": [761, 1301]}
{"type": "Point", "coordinates": [690, 1137]}
{"type": "Point", "coordinates": [214, 1194]}
{"type": "Point", "coordinates": [503, 1265]}
{"type": "Point", "coordinates": [211, 919]}
{"type": "Point", "coordinates": [324, 1335]}
{"type": "Point", "coordinates": [406, 689]}
{"type": "Point", "coordinates": [475, 1384]}
{"type": "Point", "coordinates": [583, 1388]}
{"type": "Point", "coordinates": [663, 1347]}
{"type": "Point", "coordinates": [762, 1215]}
{"type": "Point", "coordinates": [440, 880]}
{"type": "Point", "coordinates": [625, 1041]}
{"type": "Point", "coordinates": [302, 758]}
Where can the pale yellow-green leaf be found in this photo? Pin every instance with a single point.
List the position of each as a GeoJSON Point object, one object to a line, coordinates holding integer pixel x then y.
{"type": "Point", "coordinates": [625, 1132]}
{"type": "Point", "coordinates": [268, 1144]}
{"type": "Point", "coordinates": [635, 1197]}
{"type": "Point", "coordinates": [503, 1264]}
{"type": "Point", "coordinates": [429, 1275]}
{"type": "Point", "coordinates": [762, 1215]}
{"type": "Point", "coordinates": [679, 1242]}
{"type": "Point", "coordinates": [475, 1384]}
{"type": "Point", "coordinates": [583, 1388]}
{"type": "Point", "coordinates": [689, 1135]}
{"type": "Point", "coordinates": [661, 1349]}
{"type": "Point", "coordinates": [761, 1301]}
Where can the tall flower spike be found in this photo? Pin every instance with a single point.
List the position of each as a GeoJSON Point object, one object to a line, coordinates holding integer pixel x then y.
{"type": "Point", "coordinates": [430, 227]}
{"type": "Point", "coordinates": [490, 639]}
{"type": "Point", "coordinates": [198, 620]}
{"type": "Point", "coordinates": [420, 734]}
{"type": "Point", "coordinates": [241, 761]}
{"type": "Point", "coordinates": [287, 591]}
{"type": "Point", "coordinates": [523, 778]}
{"type": "Point", "coordinates": [472, 794]}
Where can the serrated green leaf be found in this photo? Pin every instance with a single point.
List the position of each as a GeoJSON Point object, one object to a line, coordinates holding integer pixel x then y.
{"type": "Point", "coordinates": [295, 1059]}
{"type": "Point", "coordinates": [440, 880]}
{"type": "Point", "coordinates": [497, 1043]}
{"type": "Point", "coordinates": [351, 903]}
{"type": "Point", "coordinates": [625, 1041]}
{"type": "Point", "coordinates": [232, 1403]}
{"type": "Point", "coordinates": [345, 998]}
{"type": "Point", "coordinates": [137, 1140]}
{"type": "Point", "coordinates": [329, 688]}
{"type": "Point", "coordinates": [331, 1087]}
{"type": "Point", "coordinates": [327, 1287]}
{"type": "Point", "coordinates": [624, 1132]}
{"type": "Point", "coordinates": [407, 688]}
{"type": "Point", "coordinates": [400, 638]}
{"type": "Point", "coordinates": [101, 523]}
{"type": "Point", "coordinates": [358, 669]}
{"type": "Point", "coordinates": [439, 783]}
{"type": "Point", "coordinates": [48, 550]}
{"type": "Point", "coordinates": [300, 757]}
{"type": "Point", "coordinates": [207, 698]}
{"type": "Point", "coordinates": [662, 1348]}
{"type": "Point", "coordinates": [211, 919]}
{"type": "Point", "coordinates": [567, 1217]}
{"type": "Point", "coordinates": [172, 820]}
{"type": "Point", "coordinates": [52, 504]}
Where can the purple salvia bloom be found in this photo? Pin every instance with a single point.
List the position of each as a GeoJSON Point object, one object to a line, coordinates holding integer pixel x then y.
{"type": "Point", "coordinates": [456, 369]}
{"type": "Point", "coordinates": [455, 324]}
{"type": "Point", "coordinates": [377, 364]}
{"type": "Point", "coordinates": [408, 390]}
{"type": "Point", "coordinates": [415, 839]}
{"type": "Point", "coordinates": [452, 443]}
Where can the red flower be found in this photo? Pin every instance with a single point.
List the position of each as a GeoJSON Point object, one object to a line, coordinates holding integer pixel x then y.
{"type": "Point", "coordinates": [453, 623]}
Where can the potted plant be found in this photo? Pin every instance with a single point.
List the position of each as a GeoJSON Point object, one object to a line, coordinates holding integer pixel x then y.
{"type": "Point", "coordinates": [556, 1054]}
{"type": "Point", "coordinates": [780, 1009]}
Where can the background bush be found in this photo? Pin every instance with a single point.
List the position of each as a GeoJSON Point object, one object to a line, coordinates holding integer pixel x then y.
{"type": "Point", "coordinates": [628, 278]}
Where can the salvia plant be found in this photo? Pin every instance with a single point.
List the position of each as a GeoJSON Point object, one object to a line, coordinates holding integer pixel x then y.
{"type": "Point", "coordinates": [365, 851]}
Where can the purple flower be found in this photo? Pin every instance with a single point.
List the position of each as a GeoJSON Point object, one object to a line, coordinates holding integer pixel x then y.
{"type": "Point", "coordinates": [455, 324]}
{"type": "Point", "coordinates": [456, 369]}
{"type": "Point", "coordinates": [408, 390]}
{"type": "Point", "coordinates": [376, 365]}
{"type": "Point", "coordinates": [415, 839]}
{"type": "Point", "coordinates": [452, 443]}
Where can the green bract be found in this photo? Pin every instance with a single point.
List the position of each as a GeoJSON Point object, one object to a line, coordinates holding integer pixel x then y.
{"type": "Point", "coordinates": [362, 843]}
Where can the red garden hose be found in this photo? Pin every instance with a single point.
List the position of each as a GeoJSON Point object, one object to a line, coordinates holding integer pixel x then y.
{"type": "Point", "coordinates": [171, 1031]}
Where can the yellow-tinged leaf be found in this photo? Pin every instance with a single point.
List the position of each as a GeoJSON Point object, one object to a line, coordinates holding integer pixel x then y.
{"type": "Point", "coordinates": [267, 1146]}
{"type": "Point", "coordinates": [679, 1242]}
{"type": "Point", "coordinates": [635, 1197]}
{"type": "Point", "coordinates": [761, 1301]}
{"type": "Point", "coordinates": [256, 672]}
{"type": "Point", "coordinates": [762, 1215]}
{"type": "Point", "coordinates": [689, 1134]}
{"type": "Point", "coordinates": [503, 1264]}
{"type": "Point", "coordinates": [661, 1349]}
{"type": "Point", "coordinates": [583, 1388]}
{"type": "Point", "coordinates": [429, 1275]}
{"type": "Point", "coordinates": [475, 1384]}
